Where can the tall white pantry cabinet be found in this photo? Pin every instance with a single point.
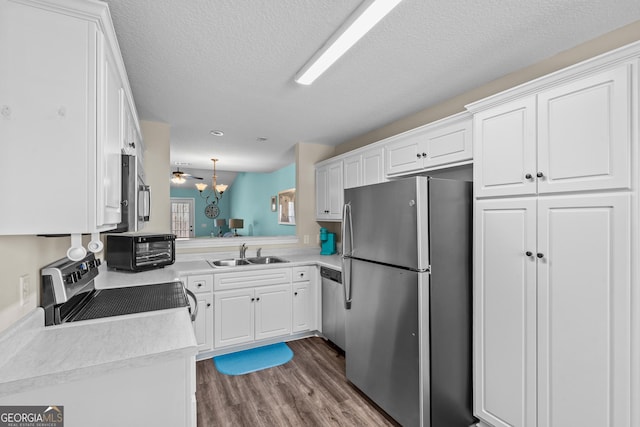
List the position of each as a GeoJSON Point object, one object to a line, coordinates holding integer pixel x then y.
{"type": "Point", "coordinates": [556, 298]}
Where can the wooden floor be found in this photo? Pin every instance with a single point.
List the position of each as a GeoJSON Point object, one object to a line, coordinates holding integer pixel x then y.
{"type": "Point", "coordinates": [310, 390]}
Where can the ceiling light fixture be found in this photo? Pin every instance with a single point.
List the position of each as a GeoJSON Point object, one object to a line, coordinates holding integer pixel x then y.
{"type": "Point", "coordinates": [365, 17]}
{"type": "Point", "coordinates": [216, 189]}
{"type": "Point", "coordinates": [216, 133]}
{"type": "Point", "coordinates": [178, 179]}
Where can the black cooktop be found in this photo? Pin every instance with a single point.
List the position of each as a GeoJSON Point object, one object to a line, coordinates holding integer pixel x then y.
{"type": "Point", "coordinates": [130, 300]}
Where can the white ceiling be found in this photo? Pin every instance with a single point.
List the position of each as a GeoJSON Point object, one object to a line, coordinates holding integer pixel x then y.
{"type": "Point", "coordinates": [229, 65]}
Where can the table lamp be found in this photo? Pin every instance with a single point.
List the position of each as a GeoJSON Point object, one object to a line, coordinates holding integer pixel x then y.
{"type": "Point", "coordinates": [236, 223]}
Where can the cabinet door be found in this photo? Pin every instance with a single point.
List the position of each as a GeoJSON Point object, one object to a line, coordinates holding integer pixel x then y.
{"type": "Point", "coordinates": [203, 325]}
{"type": "Point", "coordinates": [584, 319]}
{"type": "Point", "coordinates": [373, 166]}
{"type": "Point", "coordinates": [335, 191]}
{"type": "Point", "coordinates": [584, 133]}
{"type": "Point", "coordinates": [234, 317]}
{"type": "Point", "coordinates": [450, 143]}
{"type": "Point", "coordinates": [505, 312]}
{"type": "Point", "coordinates": [301, 307]}
{"type": "Point", "coordinates": [109, 147]}
{"type": "Point", "coordinates": [352, 171]}
{"type": "Point", "coordinates": [505, 149]}
{"type": "Point", "coordinates": [404, 155]}
{"type": "Point", "coordinates": [47, 66]}
{"type": "Point", "coordinates": [322, 192]}
{"type": "Point", "coordinates": [273, 311]}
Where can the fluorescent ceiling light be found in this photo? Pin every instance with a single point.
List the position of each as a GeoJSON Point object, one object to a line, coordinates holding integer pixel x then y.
{"type": "Point", "coordinates": [368, 14]}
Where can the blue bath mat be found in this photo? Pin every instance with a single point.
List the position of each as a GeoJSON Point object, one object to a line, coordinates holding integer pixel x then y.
{"type": "Point", "coordinates": [255, 359]}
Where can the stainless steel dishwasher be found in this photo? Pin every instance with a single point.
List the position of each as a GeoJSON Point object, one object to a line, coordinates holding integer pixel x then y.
{"type": "Point", "coordinates": [333, 310]}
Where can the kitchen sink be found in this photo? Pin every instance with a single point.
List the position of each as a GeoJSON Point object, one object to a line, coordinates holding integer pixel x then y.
{"type": "Point", "coordinates": [235, 262]}
{"type": "Point", "coordinates": [266, 260]}
{"type": "Point", "coordinates": [231, 262]}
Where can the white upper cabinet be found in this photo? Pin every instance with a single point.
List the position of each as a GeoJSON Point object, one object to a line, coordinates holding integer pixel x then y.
{"type": "Point", "coordinates": [505, 149]}
{"type": "Point", "coordinates": [445, 142]}
{"type": "Point", "coordinates": [329, 191]}
{"type": "Point", "coordinates": [109, 138]}
{"type": "Point", "coordinates": [573, 137]}
{"type": "Point", "coordinates": [364, 168]}
{"type": "Point", "coordinates": [584, 133]}
{"type": "Point", "coordinates": [61, 89]}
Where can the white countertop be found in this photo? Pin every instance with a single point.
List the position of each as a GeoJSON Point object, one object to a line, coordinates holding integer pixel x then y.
{"type": "Point", "coordinates": [197, 264]}
{"type": "Point", "coordinates": [33, 355]}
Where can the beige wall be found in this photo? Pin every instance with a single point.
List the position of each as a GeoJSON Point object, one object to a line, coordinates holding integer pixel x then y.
{"type": "Point", "coordinates": [20, 255]}
{"type": "Point", "coordinates": [306, 156]}
{"type": "Point", "coordinates": [157, 169]}
{"type": "Point", "coordinates": [618, 38]}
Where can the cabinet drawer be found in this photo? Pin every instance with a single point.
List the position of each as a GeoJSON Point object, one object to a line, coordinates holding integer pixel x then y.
{"type": "Point", "coordinates": [250, 278]}
{"type": "Point", "coordinates": [200, 283]}
{"type": "Point", "coordinates": [300, 274]}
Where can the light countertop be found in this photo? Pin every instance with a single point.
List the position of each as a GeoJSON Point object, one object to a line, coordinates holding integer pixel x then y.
{"type": "Point", "coordinates": [33, 355]}
{"type": "Point", "coordinates": [39, 356]}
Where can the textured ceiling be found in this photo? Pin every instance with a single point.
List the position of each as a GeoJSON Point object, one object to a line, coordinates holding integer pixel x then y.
{"type": "Point", "coordinates": [229, 65]}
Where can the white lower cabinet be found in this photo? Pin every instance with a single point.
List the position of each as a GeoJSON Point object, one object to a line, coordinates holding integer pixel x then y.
{"type": "Point", "coordinates": [273, 311]}
{"type": "Point", "coordinates": [246, 315]}
{"type": "Point", "coordinates": [552, 312]}
{"type": "Point", "coordinates": [301, 307]}
{"type": "Point", "coordinates": [203, 325]}
{"type": "Point", "coordinates": [234, 317]}
{"type": "Point", "coordinates": [202, 287]}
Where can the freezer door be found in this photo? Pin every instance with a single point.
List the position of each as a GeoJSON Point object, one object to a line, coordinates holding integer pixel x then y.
{"type": "Point", "coordinates": [382, 354]}
{"type": "Point", "coordinates": [390, 223]}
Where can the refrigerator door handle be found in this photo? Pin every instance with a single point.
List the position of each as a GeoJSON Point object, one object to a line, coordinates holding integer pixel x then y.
{"type": "Point", "coordinates": [346, 218]}
{"type": "Point", "coordinates": [346, 252]}
{"type": "Point", "coordinates": [346, 281]}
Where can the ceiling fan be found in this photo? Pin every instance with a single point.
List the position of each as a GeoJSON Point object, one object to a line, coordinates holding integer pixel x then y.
{"type": "Point", "coordinates": [178, 177]}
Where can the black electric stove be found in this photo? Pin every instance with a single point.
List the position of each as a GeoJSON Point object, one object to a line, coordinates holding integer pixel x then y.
{"type": "Point", "coordinates": [69, 294]}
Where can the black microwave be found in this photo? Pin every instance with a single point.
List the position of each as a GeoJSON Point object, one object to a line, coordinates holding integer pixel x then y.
{"type": "Point", "coordinates": [139, 252]}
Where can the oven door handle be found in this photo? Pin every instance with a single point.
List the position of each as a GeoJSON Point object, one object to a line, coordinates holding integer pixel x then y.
{"type": "Point", "coordinates": [193, 314]}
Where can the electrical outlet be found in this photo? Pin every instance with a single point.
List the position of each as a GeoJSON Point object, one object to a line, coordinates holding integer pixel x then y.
{"type": "Point", "coordinates": [306, 239]}
{"type": "Point", "coordinates": [25, 289]}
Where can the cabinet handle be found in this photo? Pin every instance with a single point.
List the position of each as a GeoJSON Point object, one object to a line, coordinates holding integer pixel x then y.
{"type": "Point", "coordinates": [528, 253]}
{"type": "Point", "coordinates": [539, 174]}
{"type": "Point", "coordinates": [295, 294]}
{"type": "Point", "coordinates": [539, 255]}
{"type": "Point", "coordinates": [424, 155]}
{"type": "Point", "coordinates": [253, 299]}
{"type": "Point", "coordinates": [418, 155]}
{"type": "Point", "coordinates": [258, 299]}
{"type": "Point", "coordinates": [208, 304]}
{"type": "Point", "coordinates": [528, 176]}
{"type": "Point", "coordinates": [199, 285]}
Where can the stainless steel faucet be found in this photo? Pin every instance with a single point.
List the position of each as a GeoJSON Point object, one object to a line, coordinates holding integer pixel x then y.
{"type": "Point", "coordinates": [243, 251]}
{"type": "Point", "coordinates": [259, 252]}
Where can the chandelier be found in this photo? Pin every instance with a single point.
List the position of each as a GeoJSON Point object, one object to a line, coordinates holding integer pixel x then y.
{"type": "Point", "coordinates": [216, 189]}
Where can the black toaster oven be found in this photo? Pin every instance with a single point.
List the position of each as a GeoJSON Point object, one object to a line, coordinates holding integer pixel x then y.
{"type": "Point", "coordinates": [139, 252]}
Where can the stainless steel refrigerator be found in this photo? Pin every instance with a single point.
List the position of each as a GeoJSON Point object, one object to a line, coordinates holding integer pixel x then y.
{"type": "Point", "coordinates": [407, 280]}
